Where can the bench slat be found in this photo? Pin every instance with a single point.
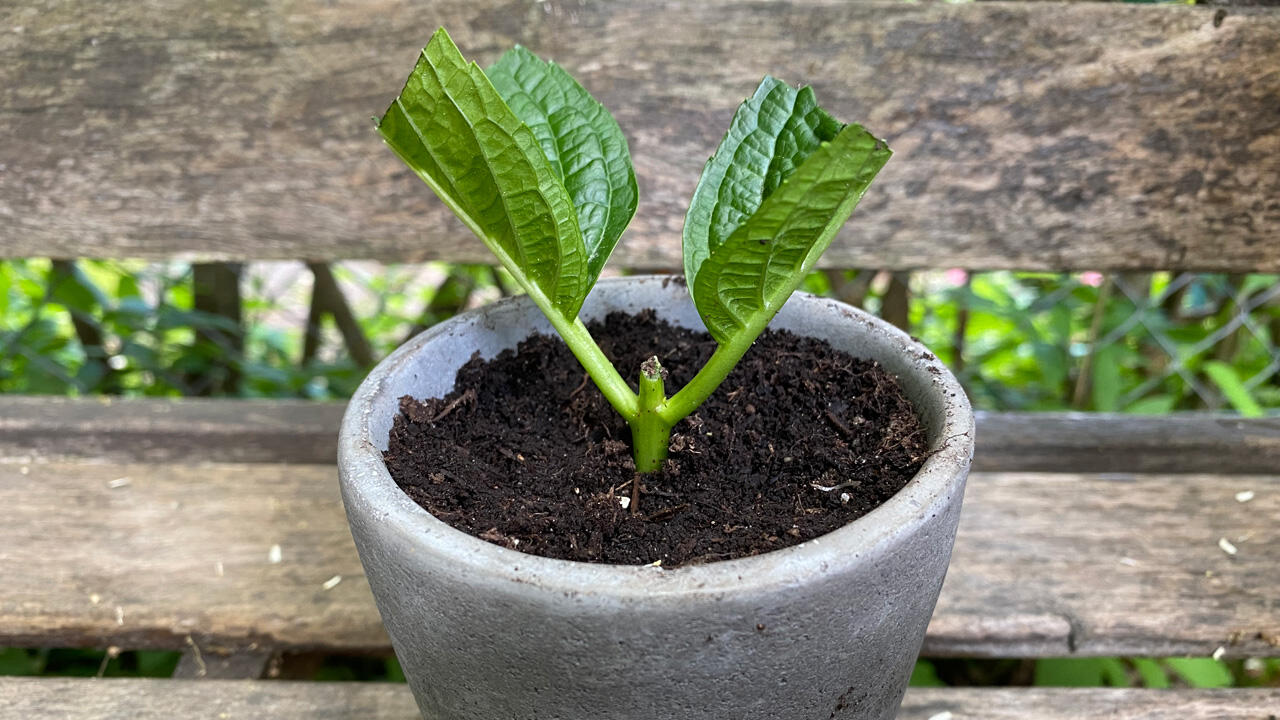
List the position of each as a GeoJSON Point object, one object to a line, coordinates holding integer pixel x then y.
{"type": "Point", "coordinates": [1045, 565]}
{"type": "Point", "coordinates": [1031, 136]}
{"type": "Point", "coordinates": [23, 698]}
{"type": "Point", "coordinates": [297, 431]}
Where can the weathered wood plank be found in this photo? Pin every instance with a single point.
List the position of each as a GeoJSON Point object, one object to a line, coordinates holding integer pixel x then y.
{"type": "Point", "coordinates": [24, 698]}
{"type": "Point", "coordinates": [1046, 564]}
{"type": "Point", "coordinates": [1058, 564]}
{"type": "Point", "coordinates": [119, 699]}
{"type": "Point", "coordinates": [298, 431]}
{"type": "Point", "coordinates": [229, 557]}
{"type": "Point", "coordinates": [1028, 135]}
{"type": "Point", "coordinates": [166, 430]}
{"type": "Point", "coordinates": [1112, 443]}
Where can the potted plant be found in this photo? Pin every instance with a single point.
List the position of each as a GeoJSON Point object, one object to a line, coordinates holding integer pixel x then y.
{"type": "Point", "coordinates": [828, 627]}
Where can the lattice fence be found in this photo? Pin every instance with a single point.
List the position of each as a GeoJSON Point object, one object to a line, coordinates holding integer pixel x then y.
{"type": "Point", "coordinates": [1128, 342]}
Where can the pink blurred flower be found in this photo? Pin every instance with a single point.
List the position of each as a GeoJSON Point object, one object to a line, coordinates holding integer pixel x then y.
{"type": "Point", "coordinates": [1091, 278]}
{"type": "Point", "coordinates": [956, 276]}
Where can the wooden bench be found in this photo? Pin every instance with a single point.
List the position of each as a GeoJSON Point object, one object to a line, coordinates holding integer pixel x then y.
{"type": "Point", "coordinates": [1030, 136]}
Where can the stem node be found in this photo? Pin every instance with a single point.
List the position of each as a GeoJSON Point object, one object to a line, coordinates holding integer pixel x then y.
{"type": "Point", "coordinates": [650, 431]}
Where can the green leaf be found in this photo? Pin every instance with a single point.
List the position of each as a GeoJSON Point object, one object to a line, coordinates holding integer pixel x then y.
{"type": "Point", "coordinates": [454, 130]}
{"type": "Point", "coordinates": [1114, 672]}
{"type": "Point", "coordinates": [1069, 672]}
{"type": "Point", "coordinates": [1232, 388]}
{"type": "Point", "coordinates": [1154, 405]}
{"type": "Point", "coordinates": [771, 199]}
{"type": "Point", "coordinates": [127, 286]}
{"type": "Point", "coordinates": [1153, 674]}
{"type": "Point", "coordinates": [6, 289]}
{"type": "Point", "coordinates": [771, 134]}
{"type": "Point", "coordinates": [1202, 672]}
{"type": "Point", "coordinates": [155, 663]}
{"type": "Point", "coordinates": [1052, 362]}
{"type": "Point", "coordinates": [71, 291]}
{"type": "Point", "coordinates": [582, 142]}
{"type": "Point", "coordinates": [18, 661]}
{"type": "Point", "coordinates": [924, 674]}
{"type": "Point", "coordinates": [1106, 379]}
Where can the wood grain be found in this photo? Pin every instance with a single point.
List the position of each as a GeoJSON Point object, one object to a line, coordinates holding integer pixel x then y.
{"type": "Point", "coordinates": [166, 430]}
{"type": "Point", "coordinates": [25, 698]}
{"type": "Point", "coordinates": [1028, 135]}
{"type": "Point", "coordinates": [1113, 443]}
{"type": "Point", "coordinates": [1046, 564]}
{"type": "Point", "coordinates": [1061, 564]}
{"type": "Point", "coordinates": [166, 556]}
{"type": "Point", "coordinates": [298, 431]}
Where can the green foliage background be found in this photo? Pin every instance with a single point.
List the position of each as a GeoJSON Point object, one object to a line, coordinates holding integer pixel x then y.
{"type": "Point", "coordinates": [1028, 336]}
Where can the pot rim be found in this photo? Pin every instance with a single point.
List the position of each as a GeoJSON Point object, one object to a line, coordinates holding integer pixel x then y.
{"type": "Point", "coordinates": [366, 481]}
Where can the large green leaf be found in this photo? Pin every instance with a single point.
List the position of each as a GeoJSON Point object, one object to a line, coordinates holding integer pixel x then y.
{"type": "Point", "coordinates": [770, 135]}
{"type": "Point", "coordinates": [582, 142]}
{"type": "Point", "coordinates": [743, 262]}
{"type": "Point", "coordinates": [451, 126]}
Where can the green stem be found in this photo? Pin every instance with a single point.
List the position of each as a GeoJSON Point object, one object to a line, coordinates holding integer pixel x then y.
{"type": "Point", "coordinates": [651, 414]}
{"type": "Point", "coordinates": [602, 372]}
{"type": "Point", "coordinates": [650, 432]}
{"type": "Point", "coordinates": [718, 367]}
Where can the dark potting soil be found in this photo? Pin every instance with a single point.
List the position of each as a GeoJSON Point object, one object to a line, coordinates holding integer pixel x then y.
{"type": "Point", "coordinates": [527, 453]}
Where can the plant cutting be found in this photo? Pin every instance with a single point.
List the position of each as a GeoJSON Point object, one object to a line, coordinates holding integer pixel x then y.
{"type": "Point", "coordinates": [541, 172]}
{"type": "Point", "coordinates": [824, 625]}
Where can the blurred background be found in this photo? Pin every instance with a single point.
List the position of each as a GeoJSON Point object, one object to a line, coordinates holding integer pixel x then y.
{"type": "Point", "coordinates": [1146, 343]}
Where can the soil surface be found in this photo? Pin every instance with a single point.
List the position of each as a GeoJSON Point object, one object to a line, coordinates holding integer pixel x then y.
{"type": "Point", "coordinates": [528, 454]}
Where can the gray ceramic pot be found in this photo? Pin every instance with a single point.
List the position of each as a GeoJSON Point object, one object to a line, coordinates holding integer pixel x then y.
{"type": "Point", "coordinates": [826, 629]}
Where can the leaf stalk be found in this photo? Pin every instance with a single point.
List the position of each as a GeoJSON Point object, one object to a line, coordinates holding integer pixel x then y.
{"type": "Point", "coordinates": [719, 365]}
{"type": "Point", "coordinates": [593, 360]}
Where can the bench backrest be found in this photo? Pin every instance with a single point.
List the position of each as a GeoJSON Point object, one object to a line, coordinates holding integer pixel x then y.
{"type": "Point", "coordinates": [1028, 136]}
